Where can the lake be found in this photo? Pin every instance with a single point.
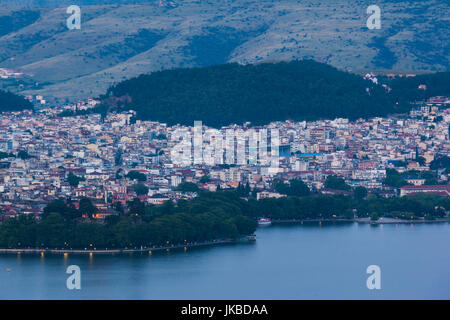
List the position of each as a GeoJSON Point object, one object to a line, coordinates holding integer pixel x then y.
{"type": "Point", "coordinates": [308, 261]}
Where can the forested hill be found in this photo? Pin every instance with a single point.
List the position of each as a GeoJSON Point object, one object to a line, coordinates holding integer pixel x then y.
{"type": "Point", "coordinates": [405, 90]}
{"type": "Point", "coordinates": [11, 102]}
{"type": "Point", "coordinates": [261, 93]}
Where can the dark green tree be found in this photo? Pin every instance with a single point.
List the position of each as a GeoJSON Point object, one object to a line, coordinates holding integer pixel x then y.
{"type": "Point", "coordinates": [64, 209]}
{"type": "Point", "coordinates": [136, 207]}
{"type": "Point", "coordinates": [23, 154]}
{"type": "Point", "coordinates": [205, 179]}
{"type": "Point", "coordinates": [140, 189]}
{"type": "Point", "coordinates": [337, 183]}
{"type": "Point", "coordinates": [73, 179]}
{"type": "Point", "coordinates": [86, 207]}
{"type": "Point", "coordinates": [394, 179]}
{"type": "Point", "coordinates": [136, 175]}
{"type": "Point", "coordinates": [360, 193]}
{"type": "Point", "coordinates": [187, 187]}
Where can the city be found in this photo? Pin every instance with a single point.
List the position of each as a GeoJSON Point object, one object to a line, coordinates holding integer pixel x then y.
{"type": "Point", "coordinates": [46, 157]}
{"type": "Point", "coordinates": [224, 159]}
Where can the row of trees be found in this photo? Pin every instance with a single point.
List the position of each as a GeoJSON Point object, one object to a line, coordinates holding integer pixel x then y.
{"type": "Point", "coordinates": [209, 216]}
{"type": "Point", "coordinates": [205, 218]}
{"type": "Point", "coordinates": [396, 179]}
{"type": "Point", "coordinates": [4, 155]}
{"type": "Point", "coordinates": [429, 206]}
{"type": "Point", "coordinates": [295, 187]}
{"type": "Point", "coordinates": [22, 154]}
{"type": "Point", "coordinates": [56, 232]}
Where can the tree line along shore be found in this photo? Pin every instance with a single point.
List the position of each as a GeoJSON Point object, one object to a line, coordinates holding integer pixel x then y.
{"type": "Point", "coordinates": [210, 216]}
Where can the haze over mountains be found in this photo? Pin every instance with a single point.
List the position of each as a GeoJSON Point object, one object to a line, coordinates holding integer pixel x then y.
{"type": "Point", "coordinates": [119, 40]}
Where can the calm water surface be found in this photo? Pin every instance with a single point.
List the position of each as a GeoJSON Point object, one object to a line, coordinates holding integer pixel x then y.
{"type": "Point", "coordinates": [286, 262]}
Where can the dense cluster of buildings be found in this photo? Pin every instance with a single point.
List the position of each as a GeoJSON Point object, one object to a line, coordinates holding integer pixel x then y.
{"type": "Point", "coordinates": [40, 150]}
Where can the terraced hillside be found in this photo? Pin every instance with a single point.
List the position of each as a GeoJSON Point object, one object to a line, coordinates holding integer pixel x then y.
{"type": "Point", "coordinates": [120, 40]}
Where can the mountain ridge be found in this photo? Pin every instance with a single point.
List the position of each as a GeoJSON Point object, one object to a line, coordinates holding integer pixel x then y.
{"type": "Point", "coordinates": [76, 64]}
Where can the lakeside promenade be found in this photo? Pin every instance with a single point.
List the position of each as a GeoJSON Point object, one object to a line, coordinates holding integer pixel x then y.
{"type": "Point", "coordinates": [147, 250]}
{"type": "Point", "coordinates": [251, 238]}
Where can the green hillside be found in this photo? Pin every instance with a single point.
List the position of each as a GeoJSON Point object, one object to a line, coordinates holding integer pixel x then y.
{"type": "Point", "coordinates": [406, 90]}
{"type": "Point", "coordinates": [16, 20]}
{"type": "Point", "coordinates": [232, 93]}
{"type": "Point", "coordinates": [121, 39]}
{"type": "Point", "coordinates": [11, 102]}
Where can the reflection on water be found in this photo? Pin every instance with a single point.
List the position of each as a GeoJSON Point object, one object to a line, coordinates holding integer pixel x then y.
{"type": "Point", "coordinates": [289, 261]}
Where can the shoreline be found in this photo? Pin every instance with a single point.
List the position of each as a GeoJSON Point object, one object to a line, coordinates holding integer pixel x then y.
{"type": "Point", "coordinates": [245, 239]}
{"type": "Point", "coordinates": [148, 250]}
{"type": "Point", "coordinates": [362, 220]}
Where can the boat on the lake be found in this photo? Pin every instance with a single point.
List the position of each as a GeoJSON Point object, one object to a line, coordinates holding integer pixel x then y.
{"type": "Point", "coordinates": [262, 222]}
